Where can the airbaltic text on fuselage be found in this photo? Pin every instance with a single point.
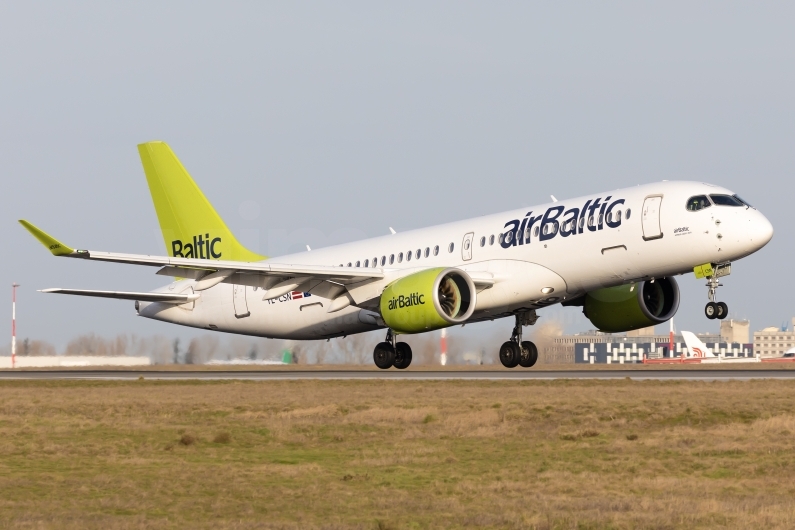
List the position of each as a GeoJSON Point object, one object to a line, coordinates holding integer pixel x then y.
{"type": "Point", "coordinates": [202, 247]}
{"type": "Point", "coordinates": [594, 215]}
{"type": "Point", "coordinates": [407, 301]}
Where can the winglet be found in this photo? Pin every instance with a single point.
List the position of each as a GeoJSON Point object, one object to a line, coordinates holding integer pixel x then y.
{"type": "Point", "coordinates": [53, 245]}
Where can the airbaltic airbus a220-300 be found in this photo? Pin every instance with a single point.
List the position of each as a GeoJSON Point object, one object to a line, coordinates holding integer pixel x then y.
{"type": "Point", "coordinates": [615, 254]}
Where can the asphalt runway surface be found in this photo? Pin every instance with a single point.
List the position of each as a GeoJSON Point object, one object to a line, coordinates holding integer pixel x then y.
{"type": "Point", "coordinates": [420, 375]}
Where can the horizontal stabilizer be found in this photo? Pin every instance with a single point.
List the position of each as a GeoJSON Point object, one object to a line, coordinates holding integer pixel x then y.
{"type": "Point", "coordinates": [168, 298]}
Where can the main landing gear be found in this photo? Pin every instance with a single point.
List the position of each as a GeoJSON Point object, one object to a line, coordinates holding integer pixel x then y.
{"type": "Point", "coordinates": [390, 353]}
{"type": "Point", "coordinates": [715, 309]}
{"type": "Point", "coordinates": [517, 352]}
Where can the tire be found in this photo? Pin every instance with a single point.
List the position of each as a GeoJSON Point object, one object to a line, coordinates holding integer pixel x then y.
{"type": "Point", "coordinates": [384, 355]}
{"type": "Point", "coordinates": [402, 355]}
{"type": "Point", "coordinates": [510, 354]}
{"type": "Point", "coordinates": [711, 310]}
{"type": "Point", "coordinates": [529, 354]}
{"type": "Point", "coordinates": [723, 310]}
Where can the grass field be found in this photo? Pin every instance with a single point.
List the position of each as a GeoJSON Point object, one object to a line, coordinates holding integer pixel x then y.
{"type": "Point", "coordinates": [397, 454]}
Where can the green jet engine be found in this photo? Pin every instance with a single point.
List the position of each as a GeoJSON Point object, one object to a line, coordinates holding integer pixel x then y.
{"type": "Point", "coordinates": [633, 306]}
{"type": "Point", "coordinates": [428, 300]}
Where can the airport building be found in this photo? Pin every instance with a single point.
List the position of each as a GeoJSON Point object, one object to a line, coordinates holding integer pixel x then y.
{"type": "Point", "coordinates": [774, 342]}
{"type": "Point", "coordinates": [594, 347]}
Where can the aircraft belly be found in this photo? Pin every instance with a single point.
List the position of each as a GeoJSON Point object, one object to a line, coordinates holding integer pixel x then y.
{"type": "Point", "coordinates": [300, 319]}
{"type": "Point", "coordinates": [518, 284]}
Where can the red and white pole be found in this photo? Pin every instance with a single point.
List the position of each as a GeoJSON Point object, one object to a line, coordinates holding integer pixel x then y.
{"type": "Point", "coordinates": [443, 344]}
{"type": "Point", "coordinates": [14, 324]}
{"type": "Point", "coordinates": [671, 339]}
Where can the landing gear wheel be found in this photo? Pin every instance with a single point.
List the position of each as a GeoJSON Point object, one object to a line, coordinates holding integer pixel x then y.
{"type": "Point", "coordinates": [529, 354]}
{"type": "Point", "coordinates": [510, 354]}
{"type": "Point", "coordinates": [384, 355]}
{"type": "Point", "coordinates": [711, 310]}
{"type": "Point", "coordinates": [402, 355]}
{"type": "Point", "coordinates": [723, 310]}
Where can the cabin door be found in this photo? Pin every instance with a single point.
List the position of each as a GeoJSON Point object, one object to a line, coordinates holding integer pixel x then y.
{"type": "Point", "coordinates": [650, 218]}
{"type": "Point", "coordinates": [239, 297]}
{"type": "Point", "coordinates": [466, 246]}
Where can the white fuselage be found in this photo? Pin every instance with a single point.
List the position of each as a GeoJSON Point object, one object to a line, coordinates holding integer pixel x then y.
{"type": "Point", "coordinates": [655, 236]}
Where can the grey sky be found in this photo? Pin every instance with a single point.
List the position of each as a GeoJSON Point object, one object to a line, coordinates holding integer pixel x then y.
{"type": "Point", "coordinates": [316, 123]}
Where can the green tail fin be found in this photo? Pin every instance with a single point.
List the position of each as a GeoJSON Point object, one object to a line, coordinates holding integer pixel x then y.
{"type": "Point", "coordinates": [191, 226]}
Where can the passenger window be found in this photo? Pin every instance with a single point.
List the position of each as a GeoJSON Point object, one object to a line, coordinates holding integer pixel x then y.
{"type": "Point", "coordinates": [536, 231]}
{"type": "Point", "coordinates": [391, 259]}
{"type": "Point", "coordinates": [357, 263]}
{"type": "Point", "coordinates": [450, 247]}
{"type": "Point", "coordinates": [618, 216]}
{"type": "Point", "coordinates": [366, 263]}
{"type": "Point", "coordinates": [375, 262]}
{"type": "Point", "coordinates": [383, 260]}
{"type": "Point", "coordinates": [408, 256]}
{"type": "Point", "coordinates": [349, 264]}
{"type": "Point", "coordinates": [400, 257]}
{"type": "Point", "coordinates": [491, 239]}
{"type": "Point", "coordinates": [499, 238]}
{"type": "Point", "coordinates": [483, 241]}
{"type": "Point", "coordinates": [629, 212]}
{"type": "Point", "coordinates": [699, 202]}
{"type": "Point", "coordinates": [527, 233]}
{"type": "Point", "coordinates": [590, 220]}
{"type": "Point", "coordinates": [508, 237]}
{"type": "Point", "coordinates": [427, 251]}
{"type": "Point", "coordinates": [546, 229]}
{"type": "Point", "coordinates": [582, 222]}
{"type": "Point", "coordinates": [725, 200]}
{"type": "Point", "coordinates": [436, 250]}
{"type": "Point", "coordinates": [601, 218]}
{"type": "Point", "coordinates": [417, 254]}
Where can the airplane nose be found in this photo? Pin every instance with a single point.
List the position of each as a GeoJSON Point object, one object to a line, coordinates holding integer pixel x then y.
{"type": "Point", "coordinates": [763, 230]}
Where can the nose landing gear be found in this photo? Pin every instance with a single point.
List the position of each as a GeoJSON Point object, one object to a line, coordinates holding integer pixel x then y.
{"type": "Point", "coordinates": [715, 309]}
{"type": "Point", "coordinates": [390, 353]}
{"type": "Point", "coordinates": [517, 352]}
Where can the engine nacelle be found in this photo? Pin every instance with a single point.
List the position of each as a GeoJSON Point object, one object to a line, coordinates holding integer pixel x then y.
{"type": "Point", "coordinates": [633, 306]}
{"type": "Point", "coordinates": [428, 300]}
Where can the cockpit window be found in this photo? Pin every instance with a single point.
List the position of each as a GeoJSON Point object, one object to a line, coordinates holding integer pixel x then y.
{"type": "Point", "coordinates": [699, 202]}
{"type": "Point", "coordinates": [725, 200]}
{"type": "Point", "coordinates": [743, 201]}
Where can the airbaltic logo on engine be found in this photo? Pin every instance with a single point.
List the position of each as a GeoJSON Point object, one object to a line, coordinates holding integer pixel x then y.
{"type": "Point", "coordinates": [407, 301]}
{"type": "Point", "coordinates": [594, 215]}
{"type": "Point", "coordinates": [202, 247]}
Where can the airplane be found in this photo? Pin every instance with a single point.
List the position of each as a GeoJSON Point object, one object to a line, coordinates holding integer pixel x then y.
{"type": "Point", "coordinates": [614, 254]}
{"type": "Point", "coordinates": [697, 351]}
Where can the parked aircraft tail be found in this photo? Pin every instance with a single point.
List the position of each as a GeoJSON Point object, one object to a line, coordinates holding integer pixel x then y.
{"type": "Point", "coordinates": [191, 227]}
{"type": "Point", "coordinates": [696, 348]}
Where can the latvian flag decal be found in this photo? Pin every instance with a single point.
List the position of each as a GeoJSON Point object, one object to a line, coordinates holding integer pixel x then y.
{"type": "Point", "coordinates": [296, 295]}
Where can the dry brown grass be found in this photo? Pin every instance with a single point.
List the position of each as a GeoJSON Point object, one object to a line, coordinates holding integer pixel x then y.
{"type": "Point", "coordinates": [396, 454]}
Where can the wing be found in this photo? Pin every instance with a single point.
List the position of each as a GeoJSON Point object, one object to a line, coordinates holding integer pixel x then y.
{"type": "Point", "coordinates": [275, 279]}
{"type": "Point", "coordinates": [363, 285]}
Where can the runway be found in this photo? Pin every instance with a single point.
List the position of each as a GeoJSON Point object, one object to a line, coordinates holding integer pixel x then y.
{"type": "Point", "coordinates": [419, 375]}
